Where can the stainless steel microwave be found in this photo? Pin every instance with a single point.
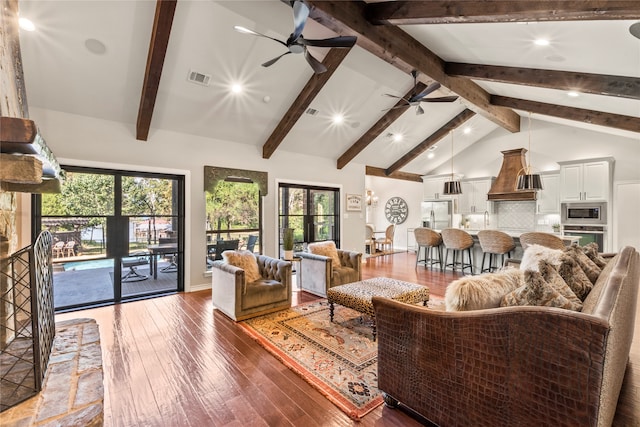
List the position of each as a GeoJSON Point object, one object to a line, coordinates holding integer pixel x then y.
{"type": "Point", "coordinates": [584, 213]}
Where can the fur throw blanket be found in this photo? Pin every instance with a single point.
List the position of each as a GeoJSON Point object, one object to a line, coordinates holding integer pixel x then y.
{"type": "Point", "coordinates": [483, 291]}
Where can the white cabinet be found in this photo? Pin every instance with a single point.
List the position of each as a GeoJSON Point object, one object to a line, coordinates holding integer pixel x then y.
{"type": "Point", "coordinates": [549, 197]}
{"type": "Point", "coordinates": [474, 197]}
{"type": "Point", "coordinates": [434, 186]}
{"type": "Point", "coordinates": [585, 181]}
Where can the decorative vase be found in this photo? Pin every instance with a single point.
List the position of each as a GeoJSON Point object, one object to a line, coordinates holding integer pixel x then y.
{"type": "Point", "coordinates": [288, 255]}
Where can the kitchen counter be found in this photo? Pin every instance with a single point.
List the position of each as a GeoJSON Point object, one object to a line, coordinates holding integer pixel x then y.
{"type": "Point", "coordinates": [517, 254]}
{"type": "Point", "coordinates": [568, 239]}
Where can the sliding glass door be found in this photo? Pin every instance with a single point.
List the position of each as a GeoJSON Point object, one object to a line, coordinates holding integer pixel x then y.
{"type": "Point", "coordinates": [313, 213]}
{"type": "Point", "coordinates": [117, 236]}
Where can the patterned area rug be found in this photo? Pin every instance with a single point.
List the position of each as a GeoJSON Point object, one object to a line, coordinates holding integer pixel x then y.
{"type": "Point", "coordinates": [339, 359]}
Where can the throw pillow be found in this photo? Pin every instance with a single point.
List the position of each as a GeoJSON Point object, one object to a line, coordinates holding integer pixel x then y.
{"type": "Point", "coordinates": [536, 291]}
{"type": "Point", "coordinates": [245, 260]}
{"type": "Point", "coordinates": [574, 276]}
{"type": "Point", "coordinates": [535, 253]}
{"type": "Point", "coordinates": [589, 267]}
{"type": "Point", "coordinates": [483, 291]}
{"type": "Point", "coordinates": [553, 278]}
{"type": "Point", "coordinates": [591, 250]}
{"type": "Point", "coordinates": [327, 249]}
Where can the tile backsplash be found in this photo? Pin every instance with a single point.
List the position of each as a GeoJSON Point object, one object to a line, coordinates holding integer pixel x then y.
{"type": "Point", "coordinates": [516, 215]}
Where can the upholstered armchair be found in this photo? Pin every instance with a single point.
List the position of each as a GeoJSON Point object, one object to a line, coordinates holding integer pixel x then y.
{"type": "Point", "coordinates": [325, 266]}
{"type": "Point", "coordinates": [251, 287]}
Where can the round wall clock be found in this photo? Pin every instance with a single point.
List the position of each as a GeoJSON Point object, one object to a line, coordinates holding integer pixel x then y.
{"type": "Point", "coordinates": [396, 210]}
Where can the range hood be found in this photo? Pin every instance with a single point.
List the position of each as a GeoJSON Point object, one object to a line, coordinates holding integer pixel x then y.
{"type": "Point", "coordinates": [504, 187]}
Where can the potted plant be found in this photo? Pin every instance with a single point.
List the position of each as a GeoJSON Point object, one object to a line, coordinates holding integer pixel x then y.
{"type": "Point", "coordinates": [287, 243]}
{"type": "Point", "coordinates": [556, 228]}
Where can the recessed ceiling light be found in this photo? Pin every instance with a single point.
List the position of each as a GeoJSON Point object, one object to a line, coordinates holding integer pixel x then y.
{"type": "Point", "coordinates": [236, 88]}
{"type": "Point", "coordinates": [573, 94]}
{"type": "Point", "coordinates": [266, 99]}
{"type": "Point", "coordinates": [95, 46]}
{"type": "Point", "coordinates": [26, 24]}
{"type": "Point", "coordinates": [431, 155]}
{"type": "Point", "coordinates": [634, 29]}
{"type": "Point", "coordinates": [541, 42]}
{"type": "Point", "coordinates": [337, 118]}
{"type": "Point", "coordinates": [467, 130]}
{"type": "Point", "coordinates": [556, 58]}
{"type": "Point", "coordinates": [397, 137]}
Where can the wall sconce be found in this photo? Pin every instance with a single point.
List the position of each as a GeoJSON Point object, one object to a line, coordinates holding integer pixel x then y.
{"type": "Point", "coordinates": [372, 199]}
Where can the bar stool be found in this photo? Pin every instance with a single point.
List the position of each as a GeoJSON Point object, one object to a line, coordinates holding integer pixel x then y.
{"type": "Point", "coordinates": [458, 241]}
{"type": "Point", "coordinates": [494, 242]}
{"type": "Point", "coordinates": [429, 240]}
{"type": "Point", "coordinates": [538, 238]}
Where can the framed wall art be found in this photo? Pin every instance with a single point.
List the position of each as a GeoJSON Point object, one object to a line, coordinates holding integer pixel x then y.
{"type": "Point", "coordinates": [354, 202]}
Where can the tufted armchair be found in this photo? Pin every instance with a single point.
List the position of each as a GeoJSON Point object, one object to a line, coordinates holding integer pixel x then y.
{"type": "Point", "coordinates": [321, 272]}
{"type": "Point", "coordinates": [240, 298]}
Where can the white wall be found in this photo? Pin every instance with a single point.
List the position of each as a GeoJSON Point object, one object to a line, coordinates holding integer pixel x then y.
{"type": "Point", "coordinates": [384, 189]}
{"type": "Point", "coordinates": [550, 143]}
{"type": "Point", "coordinates": [82, 141]}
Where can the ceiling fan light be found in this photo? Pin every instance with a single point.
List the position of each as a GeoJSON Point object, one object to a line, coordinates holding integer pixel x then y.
{"type": "Point", "coordinates": [529, 182]}
{"type": "Point", "coordinates": [452, 187]}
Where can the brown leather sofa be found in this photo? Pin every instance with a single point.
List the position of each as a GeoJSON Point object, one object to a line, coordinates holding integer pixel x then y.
{"type": "Point", "coordinates": [512, 366]}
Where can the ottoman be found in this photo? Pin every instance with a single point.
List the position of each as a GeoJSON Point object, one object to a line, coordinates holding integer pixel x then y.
{"type": "Point", "coordinates": [357, 295]}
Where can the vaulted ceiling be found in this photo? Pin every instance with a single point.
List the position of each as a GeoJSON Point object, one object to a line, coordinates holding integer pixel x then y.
{"type": "Point", "coordinates": [129, 62]}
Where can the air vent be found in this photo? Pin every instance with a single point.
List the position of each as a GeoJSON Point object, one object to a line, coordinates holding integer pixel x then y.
{"type": "Point", "coordinates": [199, 78]}
{"type": "Point", "coordinates": [312, 112]}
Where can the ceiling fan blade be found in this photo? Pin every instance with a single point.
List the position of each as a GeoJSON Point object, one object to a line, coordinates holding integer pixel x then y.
{"type": "Point", "coordinates": [300, 15]}
{"type": "Point", "coordinates": [441, 99]}
{"type": "Point", "coordinates": [340, 41]}
{"type": "Point", "coordinates": [419, 110]}
{"type": "Point", "coordinates": [396, 106]}
{"type": "Point", "coordinates": [244, 30]}
{"type": "Point", "coordinates": [318, 67]}
{"type": "Point", "coordinates": [392, 96]}
{"type": "Point", "coordinates": [427, 91]}
{"type": "Point", "coordinates": [273, 61]}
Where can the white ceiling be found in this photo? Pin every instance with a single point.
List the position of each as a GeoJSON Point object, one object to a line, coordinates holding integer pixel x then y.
{"type": "Point", "coordinates": [62, 74]}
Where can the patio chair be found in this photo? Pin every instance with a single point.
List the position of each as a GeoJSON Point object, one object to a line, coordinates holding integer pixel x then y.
{"type": "Point", "coordinates": [58, 249]}
{"type": "Point", "coordinates": [133, 275]}
{"type": "Point", "coordinates": [251, 242]}
{"type": "Point", "coordinates": [70, 248]}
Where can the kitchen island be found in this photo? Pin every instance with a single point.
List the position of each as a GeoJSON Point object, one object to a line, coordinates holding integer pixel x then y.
{"type": "Point", "coordinates": [476, 250]}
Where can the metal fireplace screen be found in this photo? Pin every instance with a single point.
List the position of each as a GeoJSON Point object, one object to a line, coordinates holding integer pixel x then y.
{"type": "Point", "coordinates": [27, 324]}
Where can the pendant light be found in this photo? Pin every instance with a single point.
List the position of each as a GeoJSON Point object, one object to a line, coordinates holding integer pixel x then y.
{"type": "Point", "coordinates": [529, 180]}
{"type": "Point", "coordinates": [452, 187]}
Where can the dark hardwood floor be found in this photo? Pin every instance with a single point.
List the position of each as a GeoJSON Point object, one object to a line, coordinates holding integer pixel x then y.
{"type": "Point", "coordinates": [174, 361]}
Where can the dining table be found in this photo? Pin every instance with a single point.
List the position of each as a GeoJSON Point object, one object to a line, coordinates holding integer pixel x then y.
{"type": "Point", "coordinates": [160, 249]}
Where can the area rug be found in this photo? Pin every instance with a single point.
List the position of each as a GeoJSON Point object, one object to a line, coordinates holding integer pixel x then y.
{"type": "Point", "coordinates": [339, 359]}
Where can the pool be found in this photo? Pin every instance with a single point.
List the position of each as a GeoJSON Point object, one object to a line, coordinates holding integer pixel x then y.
{"type": "Point", "coordinates": [88, 265]}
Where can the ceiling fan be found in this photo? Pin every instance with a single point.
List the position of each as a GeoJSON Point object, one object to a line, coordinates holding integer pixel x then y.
{"type": "Point", "coordinates": [416, 98]}
{"type": "Point", "coordinates": [296, 43]}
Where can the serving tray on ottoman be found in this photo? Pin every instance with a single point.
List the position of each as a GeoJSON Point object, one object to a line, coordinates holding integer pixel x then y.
{"type": "Point", "coordinates": [357, 295]}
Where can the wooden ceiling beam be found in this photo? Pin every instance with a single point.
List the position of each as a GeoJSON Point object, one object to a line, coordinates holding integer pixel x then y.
{"type": "Point", "coordinates": [374, 131]}
{"type": "Point", "coordinates": [600, 118]}
{"type": "Point", "coordinates": [398, 48]}
{"type": "Point", "coordinates": [405, 176]}
{"type": "Point", "coordinates": [431, 140]}
{"type": "Point", "coordinates": [165, 10]}
{"type": "Point", "coordinates": [332, 61]}
{"type": "Point", "coordinates": [451, 12]}
{"type": "Point", "coordinates": [598, 84]}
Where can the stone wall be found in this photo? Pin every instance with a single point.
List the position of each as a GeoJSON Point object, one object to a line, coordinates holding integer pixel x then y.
{"type": "Point", "coordinates": [13, 103]}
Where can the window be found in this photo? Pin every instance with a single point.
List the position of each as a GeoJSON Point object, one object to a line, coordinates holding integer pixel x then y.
{"type": "Point", "coordinates": [313, 213]}
{"type": "Point", "coordinates": [233, 215]}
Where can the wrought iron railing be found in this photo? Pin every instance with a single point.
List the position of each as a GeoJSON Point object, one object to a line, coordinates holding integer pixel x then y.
{"type": "Point", "coordinates": [27, 323]}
